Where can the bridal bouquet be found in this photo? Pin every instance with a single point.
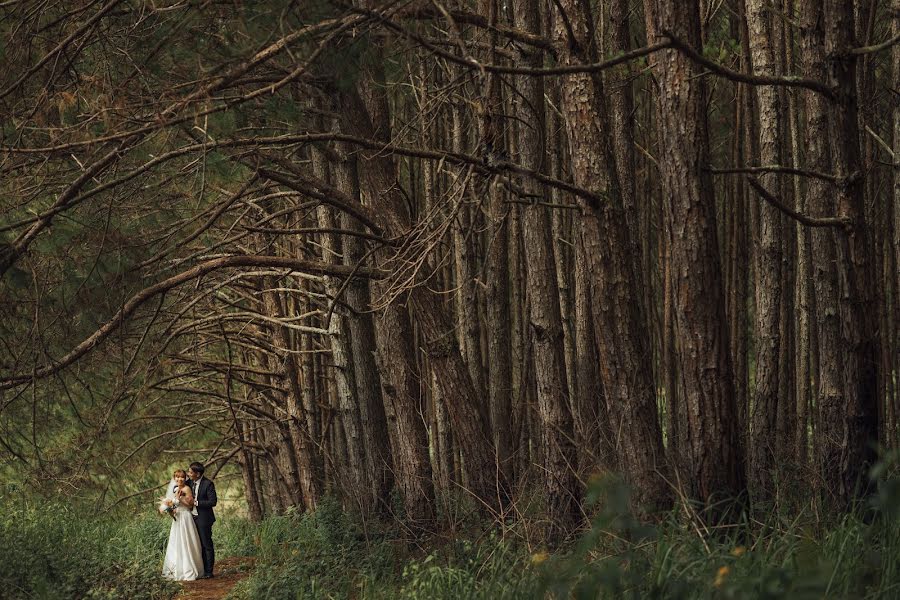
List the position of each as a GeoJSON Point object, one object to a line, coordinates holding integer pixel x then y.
{"type": "Point", "coordinates": [168, 506]}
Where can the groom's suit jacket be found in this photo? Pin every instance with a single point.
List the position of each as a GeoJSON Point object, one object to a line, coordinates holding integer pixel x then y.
{"type": "Point", "coordinates": [206, 500]}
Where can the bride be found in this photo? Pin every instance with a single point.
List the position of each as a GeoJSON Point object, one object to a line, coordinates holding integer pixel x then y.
{"type": "Point", "coordinates": [183, 558]}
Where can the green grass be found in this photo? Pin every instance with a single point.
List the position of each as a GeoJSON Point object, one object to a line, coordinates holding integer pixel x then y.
{"type": "Point", "coordinates": [55, 551]}
{"type": "Point", "coordinates": [52, 550]}
{"type": "Point", "coordinates": [853, 557]}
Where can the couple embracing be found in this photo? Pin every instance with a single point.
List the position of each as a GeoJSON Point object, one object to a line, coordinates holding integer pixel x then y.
{"type": "Point", "coordinates": [190, 499]}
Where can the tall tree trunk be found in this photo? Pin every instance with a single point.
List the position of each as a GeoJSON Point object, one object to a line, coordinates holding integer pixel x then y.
{"type": "Point", "coordinates": [468, 415]}
{"type": "Point", "coordinates": [361, 330]}
{"type": "Point", "coordinates": [850, 428]}
{"type": "Point", "coordinates": [557, 431]}
{"type": "Point", "coordinates": [674, 407]}
{"type": "Point", "coordinates": [622, 339]}
{"type": "Point", "coordinates": [895, 207]}
{"type": "Point", "coordinates": [560, 227]}
{"type": "Point", "coordinates": [302, 425]}
{"type": "Point", "coordinates": [396, 357]}
{"type": "Point", "coordinates": [763, 458]}
{"type": "Point", "coordinates": [737, 283]}
{"type": "Point", "coordinates": [589, 389]}
{"type": "Point", "coordinates": [786, 425]}
{"type": "Point", "coordinates": [712, 458]}
{"type": "Point", "coordinates": [499, 337]}
{"type": "Point", "coordinates": [803, 298]}
{"type": "Point", "coordinates": [346, 402]}
{"type": "Point", "coordinates": [249, 478]}
{"type": "Point", "coordinates": [400, 387]}
{"type": "Point", "coordinates": [464, 261]}
{"type": "Point", "coordinates": [621, 111]}
{"type": "Point", "coordinates": [831, 393]}
{"type": "Point", "coordinates": [304, 415]}
{"type": "Point", "coordinates": [497, 325]}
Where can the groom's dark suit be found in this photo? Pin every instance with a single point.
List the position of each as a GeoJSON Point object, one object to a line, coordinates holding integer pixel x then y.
{"type": "Point", "coordinates": [205, 495]}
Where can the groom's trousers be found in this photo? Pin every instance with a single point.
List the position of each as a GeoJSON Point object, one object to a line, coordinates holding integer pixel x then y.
{"type": "Point", "coordinates": [204, 530]}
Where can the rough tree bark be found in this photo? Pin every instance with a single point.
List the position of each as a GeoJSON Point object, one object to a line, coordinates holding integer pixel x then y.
{"type": "Point", "coordinates": [468, 415]}
{"type": "Point", "coordinates": [348, 405]}
{"type": "Point", "coordinates": [557, 433]}
{"type": "Point", "coordinates": [361, 329]}
{"type": "Point", "coordinates": [622, 339]}
{"type": "Point", "coordinates": [804, 301]}
{"type": "Point", "coordinates": [498, 326]}
{"type": "Point", "coordinates": [849, 425]}
{"type": "Point", "coordinates": [712, 463]}
{"type": "Point", "coordinates": [895, 206]}
{"type": "Point", "coordinates": [464, 262]}
{"type": "Point", "coordinates": [762, 449]}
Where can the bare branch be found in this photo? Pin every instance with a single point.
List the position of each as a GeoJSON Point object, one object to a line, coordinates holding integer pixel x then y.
{"type": "Point", "coordinates": [785, 81]}
{"type": "Point", "coordinates": [61, 46]}
{"type": "Point", "coordinates": [805, 219]}
{"type": "Point", "coordinates": [876, 48]}
{"type": "Point", "coordinates": [11, 253]}
{"type": "Point", "coordinates": [778, 169]}
{"type": "Point", "coordinates": [198, 271]}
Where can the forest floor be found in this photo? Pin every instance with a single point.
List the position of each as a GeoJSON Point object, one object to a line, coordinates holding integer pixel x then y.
{"type": "Point", "coordinates": [228, 572]}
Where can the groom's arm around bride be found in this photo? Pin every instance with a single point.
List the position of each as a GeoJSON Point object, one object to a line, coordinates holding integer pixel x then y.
{"type": "Point", "coordinates": [207, 498]}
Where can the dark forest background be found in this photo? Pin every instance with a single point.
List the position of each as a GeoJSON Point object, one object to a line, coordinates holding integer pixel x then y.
{"type": "Point", "coordinates": [427, 262]}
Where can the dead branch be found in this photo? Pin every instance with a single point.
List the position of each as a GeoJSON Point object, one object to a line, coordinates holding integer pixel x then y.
{"type": "Point", "coordinates": [805, 219]}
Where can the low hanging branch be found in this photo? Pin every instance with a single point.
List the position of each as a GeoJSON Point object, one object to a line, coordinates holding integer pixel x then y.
{"type": "Point", "coordinates": [714, 67]}
{"type": "Point", "coordinates": [61, 46]}
{"type": "Point", "coordinates": [12, 252]}
{"type": "Point", "coordinates": [512, 70]}
{"type": "Point", "coordinates": [843, 222]}
{"type": "Point", "coordinates": [876, 48]}
{"type": "Point", "coordinates": [326, 194]}
{"type": "Point", "coordinates": [481, 165]}
{"type": "Point", "coordinates": [136, 301]}
{"type": "Point", "coordinates": [777, 169]}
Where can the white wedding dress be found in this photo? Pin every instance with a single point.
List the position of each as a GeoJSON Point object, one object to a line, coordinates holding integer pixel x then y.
{"type": "Point", "coordinates": [183, 562]}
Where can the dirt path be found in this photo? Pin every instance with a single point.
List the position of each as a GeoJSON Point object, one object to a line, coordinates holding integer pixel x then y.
{"type": "Point", "coordinates": [228, 572]}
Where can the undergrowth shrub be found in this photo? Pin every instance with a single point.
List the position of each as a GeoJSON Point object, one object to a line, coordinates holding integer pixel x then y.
{"type": "Point", "coordinates": [856, 556]}
{"type": "Point", "coordinates": [313, 555]}
{"type": "Point", "coordinates": [235, 536]}
{"type": "Point", "coordinates": [487, 569]}
{"type": "Point", "coordinates": [54, 551]}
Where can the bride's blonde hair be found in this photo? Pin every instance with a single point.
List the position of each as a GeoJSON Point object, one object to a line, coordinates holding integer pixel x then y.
{"type": "Point", "coordinates": [177, 471]}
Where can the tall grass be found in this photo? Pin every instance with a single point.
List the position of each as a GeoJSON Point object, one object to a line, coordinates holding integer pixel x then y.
{"type": "Point", "coordinates": [50, 550]}
{"type": "Point", "coordinates": [54, 551]}
{"type": "Point", "coordinates": [856, 556]}
{"type": "Point", "coordinates": [315, 556]}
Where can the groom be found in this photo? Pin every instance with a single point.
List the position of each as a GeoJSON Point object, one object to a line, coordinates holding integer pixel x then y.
{"type": "Point", "coordinates": [205, 497]}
